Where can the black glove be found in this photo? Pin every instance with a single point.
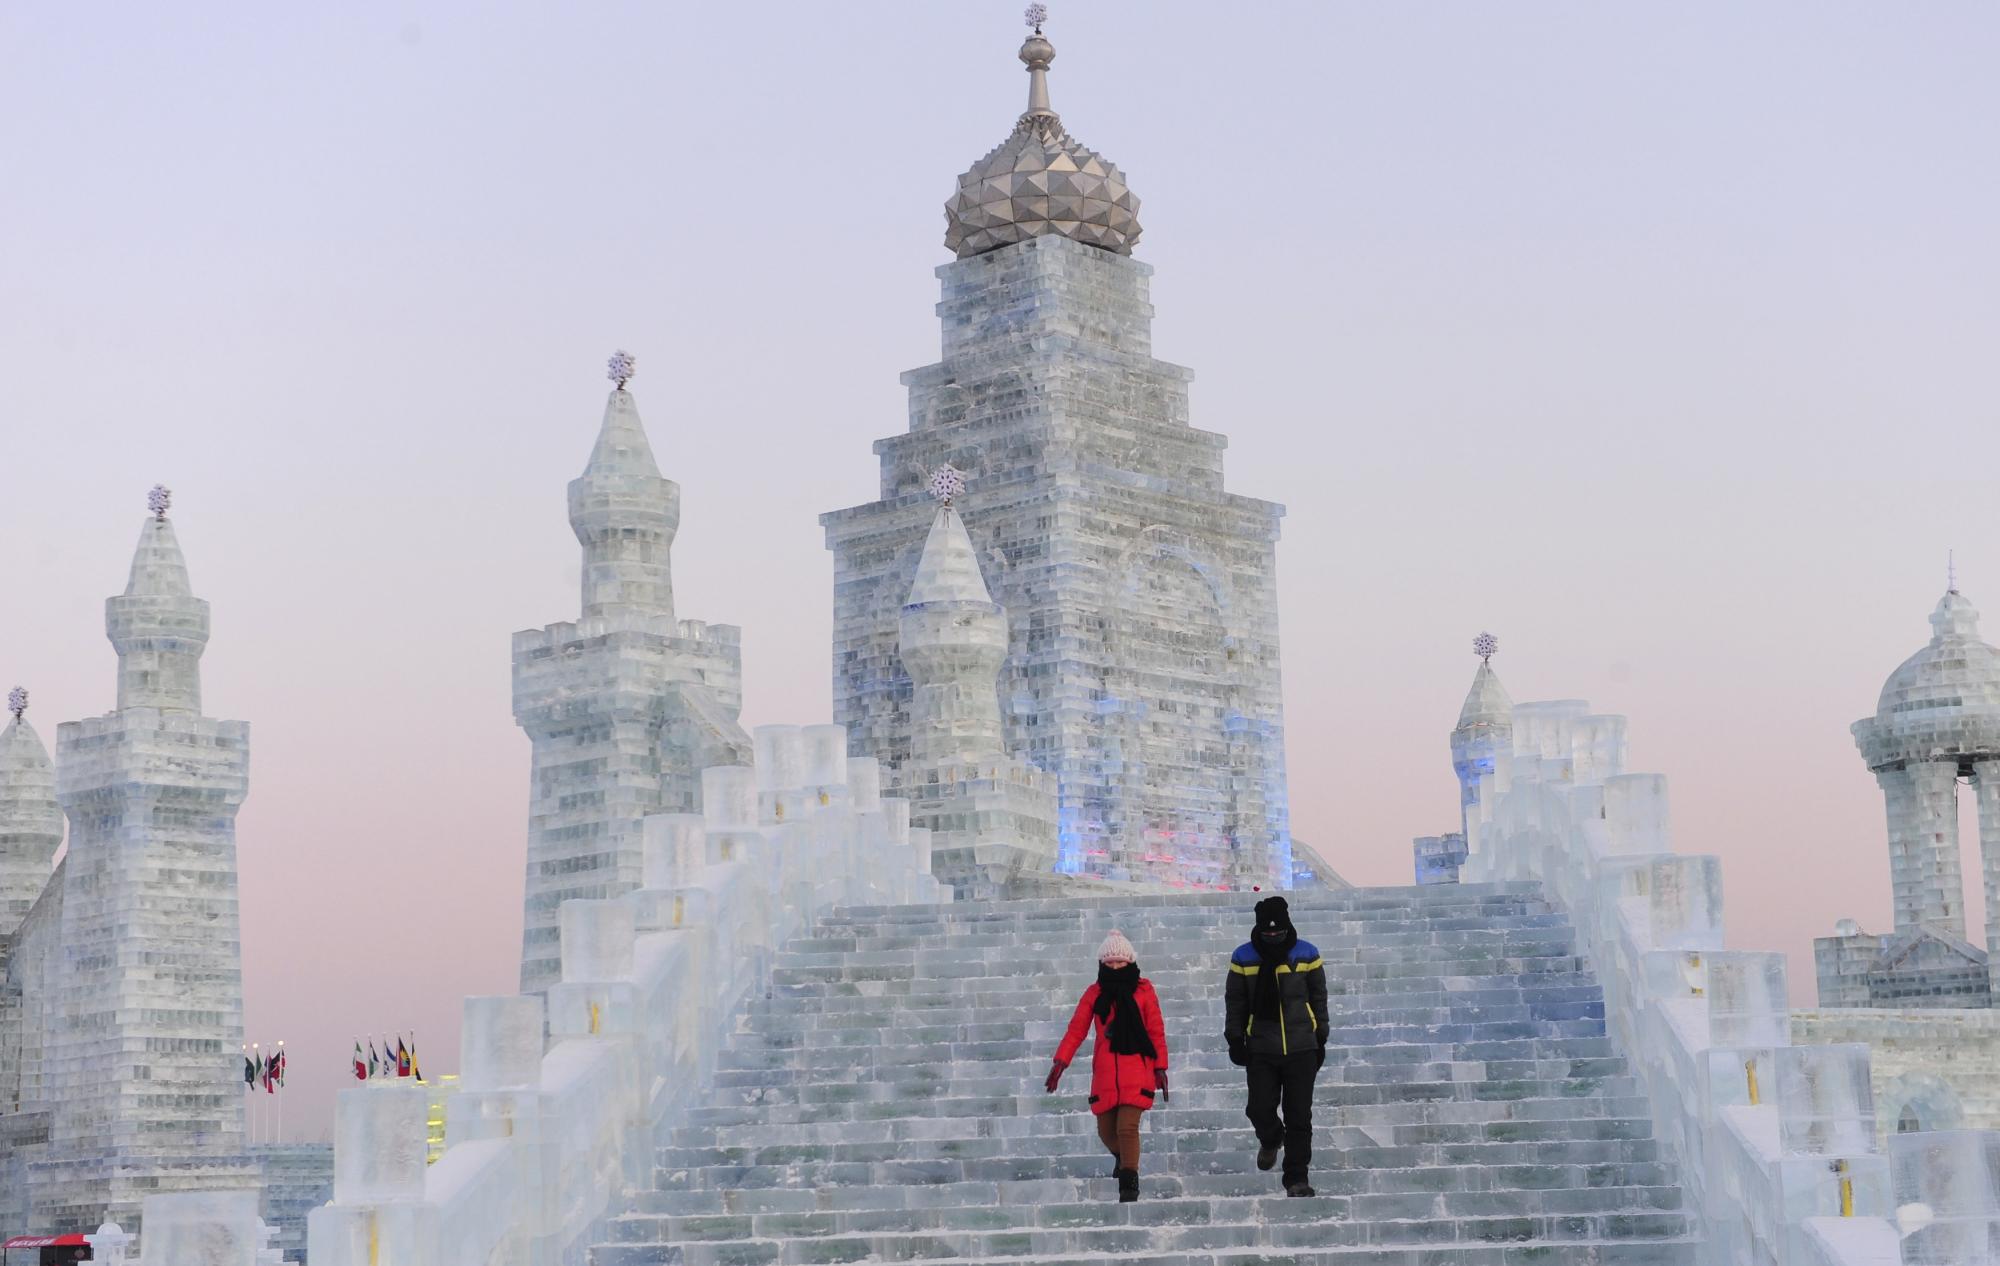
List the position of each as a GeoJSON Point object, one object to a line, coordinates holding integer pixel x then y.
{"type": "Point", "coordinates": [1055, 1074]}
{"type": "Point", "coordinates": [1239, 1051]}
{"type": "Point", "coordinates": [1321, 1062]}
{"type": "Point", "coordinates": [1160, 1081]}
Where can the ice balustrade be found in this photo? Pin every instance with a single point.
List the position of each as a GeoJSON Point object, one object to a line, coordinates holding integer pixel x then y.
{"type": "Point", "coordinates": [545, 1136]}
{"type": "Point", "coordinates": [1776, 1142]}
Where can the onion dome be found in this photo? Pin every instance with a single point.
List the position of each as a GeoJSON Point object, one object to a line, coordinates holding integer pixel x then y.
{"type": "Point", "coordinates": [1943, 702]}
{"type": "Point", "coordinates": [1040, 181]}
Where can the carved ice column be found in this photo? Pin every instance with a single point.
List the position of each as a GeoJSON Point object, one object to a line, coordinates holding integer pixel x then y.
{"type": "Point", "coordinates": [1986, 786]}
{"type": "Point", "coordinates": [1922, 804]}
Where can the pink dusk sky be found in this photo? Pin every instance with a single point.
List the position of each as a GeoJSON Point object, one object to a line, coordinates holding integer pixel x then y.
{"type": "Point", "coordinates": [1658, 339]}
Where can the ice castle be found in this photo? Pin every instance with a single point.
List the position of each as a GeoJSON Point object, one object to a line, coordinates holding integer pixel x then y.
{"type": "Point", "coordinates": [787, 994]}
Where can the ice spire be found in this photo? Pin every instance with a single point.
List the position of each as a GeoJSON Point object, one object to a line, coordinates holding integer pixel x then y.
{"type": "Point", "coordinates": [624, 514]}
{"type": "Point", "coordinates": [31, 824]}
{"type": "Point", "coordinates": [953, 641]}
{"type": "Point", "coordinates": [1487, 702]}
{"type": "Point", "coordinates": [157, 625]}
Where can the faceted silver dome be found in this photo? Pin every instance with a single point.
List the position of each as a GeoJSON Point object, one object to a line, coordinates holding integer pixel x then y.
{"type": "Point", "coordinates": [1943, 701]}
{"type": "Point", "coordinates": [1041, 181]}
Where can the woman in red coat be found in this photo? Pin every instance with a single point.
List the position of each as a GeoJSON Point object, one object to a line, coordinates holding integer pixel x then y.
{"type": "Point", "coordinates": [1128, 1064]}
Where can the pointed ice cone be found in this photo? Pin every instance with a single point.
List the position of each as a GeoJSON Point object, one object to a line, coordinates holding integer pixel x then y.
{"type": "Point", "coordinates": [1487, 702]}
{"type": "Point", "coordinates": [158, 567]}
{"type": "Point", "coordinates": [31, 823]}
{"type": "Point", "coordinates": [949, 569]}
{"type": "Point", "coordinates": [622, 450]}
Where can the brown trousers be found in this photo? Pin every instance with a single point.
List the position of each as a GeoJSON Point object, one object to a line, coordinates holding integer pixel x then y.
{"type": "Point", "coordinates": [1119, 1130]}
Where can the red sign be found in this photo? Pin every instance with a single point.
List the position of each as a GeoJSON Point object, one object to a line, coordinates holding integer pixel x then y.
{"type": "Point", "coordinates": [46, 1241]}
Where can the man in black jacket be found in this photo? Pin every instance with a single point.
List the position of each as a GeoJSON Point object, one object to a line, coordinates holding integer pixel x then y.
{"type": "Point", "coordinates": [1275, 1024]}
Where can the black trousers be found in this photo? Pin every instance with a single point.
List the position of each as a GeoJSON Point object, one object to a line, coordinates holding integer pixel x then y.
{"type": "Point", "coordinates": [1281, 1106]}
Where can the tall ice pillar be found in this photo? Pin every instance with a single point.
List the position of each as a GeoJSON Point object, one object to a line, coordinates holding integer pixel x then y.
{"type": "Point", "coordinates": [144, 1064]}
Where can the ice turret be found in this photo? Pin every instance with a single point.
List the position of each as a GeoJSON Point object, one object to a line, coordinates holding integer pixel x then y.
{"type": "Point", "coordinates": [1937, 721]}
{"type": "Point", "coordinates": [625, 514]}
{"type": "Point", "coordinates": [30, 822]}
{"type": "Point", "coordinates": [157, 625]}
{"type": "Point", "coordinates": [953, 641]}
{"type": "Point", "coordinates": [1485, 726]}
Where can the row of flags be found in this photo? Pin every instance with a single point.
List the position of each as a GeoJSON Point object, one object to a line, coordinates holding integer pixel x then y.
{"type": "Point", "coordinates": [268, 1072]}
{"type": "Point", "coordinates": [400, 1062]}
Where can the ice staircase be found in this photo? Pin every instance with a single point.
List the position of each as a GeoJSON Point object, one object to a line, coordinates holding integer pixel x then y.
{"type": "Point", "coordinates": [885, 1103]}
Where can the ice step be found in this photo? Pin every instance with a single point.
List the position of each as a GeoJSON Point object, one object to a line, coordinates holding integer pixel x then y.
{"type": "Point", "coordinates": [883, 1101]}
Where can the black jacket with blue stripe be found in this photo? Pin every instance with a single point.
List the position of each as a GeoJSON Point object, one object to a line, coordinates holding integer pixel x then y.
{"type": "Point", "coordinates": [1301, 1002]}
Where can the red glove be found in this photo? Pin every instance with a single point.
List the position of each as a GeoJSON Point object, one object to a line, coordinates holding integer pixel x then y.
{"type": "Point", "coordinates": [1055, 1074]}
{"type": "Point", "coordinates": [1160, 1080]}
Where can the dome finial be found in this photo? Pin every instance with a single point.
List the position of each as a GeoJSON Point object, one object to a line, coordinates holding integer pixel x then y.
{"type": "Point", "coordinates": [947, 482]}
{"type": "Point", "coordinates": [158, 498]}
{"type": "Point", "coordinates": [1037, 53]}
{"type": "Point", "coordinates": [1486, 646]}
{"type": "Point", "coordinates": [620, 367]}
{"type": "Point", "coordinates": [1950, 571]}
{"type": "Point", "coordinates": [17, 701]}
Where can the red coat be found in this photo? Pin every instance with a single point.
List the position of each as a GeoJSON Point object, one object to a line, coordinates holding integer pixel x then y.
{"type": "Point", "coordinates": [1118, 1080]}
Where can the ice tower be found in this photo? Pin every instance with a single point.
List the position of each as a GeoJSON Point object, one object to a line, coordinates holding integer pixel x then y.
{"type": "Point", "coordinates": [992, 818]}
{"type": "Point", "coordinates": [1142, 654]}
{"type": "Point", "coordinates": [1485, 727]}
{"type": "Point", "coordinates": [626, 705]}
{"type": "Point", "coordinates": [145, 1025]}
{"type": "Point", "coordinates": [1936, 724]}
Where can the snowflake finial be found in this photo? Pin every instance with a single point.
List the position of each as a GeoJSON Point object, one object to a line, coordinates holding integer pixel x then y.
{"type": "Point", "coordinates": [17, 701]}
{"type": "Point", "coordinates": [158, 498]}
{"type": "Point", "coordinates": [620, 367]}
{"type": "Point", "coordinates": [946, 483]}
{"type": "Point", "coordinates": [1036, 14]}
{"type": "Point", "coordinates": [1485, 646]}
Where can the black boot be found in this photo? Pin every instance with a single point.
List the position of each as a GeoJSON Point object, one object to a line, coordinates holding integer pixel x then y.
{"type": "Point", "coordinates": [1267, 1157]}
{"type": "Point", "coordinates": [1128, 1186]}
{"type": "Point", "coordinates": [1299, 1187]}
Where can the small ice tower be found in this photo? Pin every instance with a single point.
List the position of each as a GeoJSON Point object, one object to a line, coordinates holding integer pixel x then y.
{"type": "Point", "coordinates": [1485, 727]}
{"type": "Point", "coordinates": [31, 824]}
{"type": "Point", "coordinates": [954, 639]}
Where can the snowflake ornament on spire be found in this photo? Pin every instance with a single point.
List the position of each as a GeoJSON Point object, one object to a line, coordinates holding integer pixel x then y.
{"type": "Point", "coordinates": [620, 367]}
{"type": "Point", "coordinates": [1485, 646]}
{"type": "Point", "coordinates": [158, 498]}
{"type": "Point", "coordinates": [17, 701]}
{"type": "Point", "coordinates": [1036, 14]}
{"type": "Point", "coordinates": [946, 483]}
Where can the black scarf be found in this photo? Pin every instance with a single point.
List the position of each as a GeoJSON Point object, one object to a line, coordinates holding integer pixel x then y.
{"type": "Point", "coordinates": [1118, 1014]}
{"type": "Point", "coordinates": [1271, 913]}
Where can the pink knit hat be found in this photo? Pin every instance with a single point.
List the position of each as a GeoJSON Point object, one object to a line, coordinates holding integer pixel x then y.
{"type": "Point", "coordinates": [1116, 946]}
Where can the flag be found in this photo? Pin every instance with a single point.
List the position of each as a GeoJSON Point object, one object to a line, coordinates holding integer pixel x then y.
{"type": "Point", "coordinates": [374, 1066]}
{"type": "Point", "coordinates": [415, 1071]}
{"type": "Point", "coordinates": [360, 1065]}
{"type": "Point", "coordinates": [402, 1059]}
{"type": "Point", "coordinates": [282, 1061]}
{"type": "Point", "coordinates": [249, 1070]}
